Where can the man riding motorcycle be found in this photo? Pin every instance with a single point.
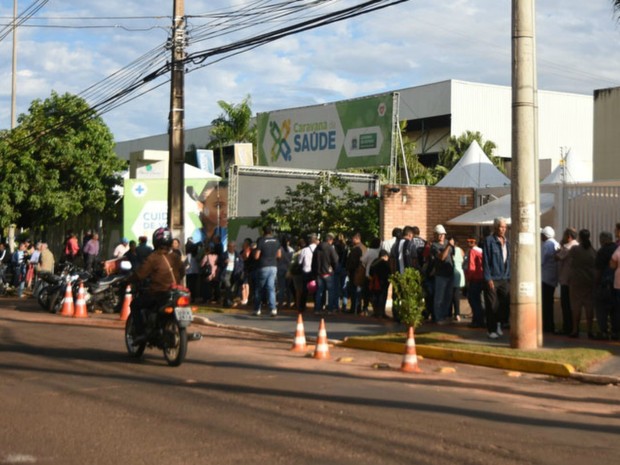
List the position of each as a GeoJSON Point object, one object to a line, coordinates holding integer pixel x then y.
{"type": "Point", "coordinates": [164, 270]}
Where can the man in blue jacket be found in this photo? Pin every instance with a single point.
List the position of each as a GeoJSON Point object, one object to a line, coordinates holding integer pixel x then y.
{"type": "Point", "coordinates": [496, 266]}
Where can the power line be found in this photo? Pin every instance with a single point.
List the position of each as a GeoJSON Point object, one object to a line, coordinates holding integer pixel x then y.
{"type": "Point", "coordinates": [22, 18]}
{"type": "Point", "coordinates": [138, 78]}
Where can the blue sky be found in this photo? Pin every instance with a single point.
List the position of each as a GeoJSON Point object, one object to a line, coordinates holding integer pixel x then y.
{"type": "Point", "coordinates": [414, 43]}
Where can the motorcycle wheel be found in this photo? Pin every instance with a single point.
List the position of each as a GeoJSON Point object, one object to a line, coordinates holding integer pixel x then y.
{"type": "Point", "coordinates": [44, 298]}
{"type": "Point", "coordinates": [55, 302]}
{"type": "Point", "coordinates": [106, 306]}
{"type": "Point", "coordinates": [111, 303]}
{"type": "Point", "coordinates": [175, 343]}
{"type": "Point", "coordinates": [134, 350]}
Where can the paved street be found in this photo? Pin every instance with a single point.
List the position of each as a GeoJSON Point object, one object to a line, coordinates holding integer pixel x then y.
{"type": "Point", "coordinates": [71, 395]}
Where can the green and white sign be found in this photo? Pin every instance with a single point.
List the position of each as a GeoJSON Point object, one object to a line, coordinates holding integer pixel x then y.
{"type": "Point", "coordinates": [145, 207]}
{"type": "Point", "coordinates": [349, 134]}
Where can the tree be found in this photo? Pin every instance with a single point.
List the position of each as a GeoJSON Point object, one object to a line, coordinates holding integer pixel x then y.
{"type": "Point", "coordinates": [233, 125]}
{"type": "Point", "coordinates": [418, 173]}
{"type": "Point", "coordinates": [458, 145]}
{"type": "Point", "coordinates": [329, 204]}
{"type": "Point", "coordinates": [58, 163]}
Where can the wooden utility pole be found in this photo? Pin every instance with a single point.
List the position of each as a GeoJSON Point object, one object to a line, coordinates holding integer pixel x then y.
{"type": "Point", "coordinates": [176, 129]}
{"type": "Point", "coordinates": [14, 69]}
{"type": "Point", "coordinates": [525, 238]}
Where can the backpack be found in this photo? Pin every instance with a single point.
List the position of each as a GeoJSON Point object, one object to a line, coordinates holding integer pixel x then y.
{"type": "Point", "coordinates": [295, 267]}
{"type": "Point", "coordinates": [205, 267]}
{"type": "Point", "coordinates": [374, 282]}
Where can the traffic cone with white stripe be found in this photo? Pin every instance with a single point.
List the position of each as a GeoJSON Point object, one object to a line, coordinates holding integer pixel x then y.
{"type": "Point", "coordinates": [322, 348]}
{"type": "Point", "coordinates": [410, 360]}
{"type": "Point", "coordinates": [126, 310]}
{"type": "Point", "coordinates": [67, 302]}
{"type": "Point", "coordinates": [80, 304]}
{"type": "Point", "coordinates": [299, 344]}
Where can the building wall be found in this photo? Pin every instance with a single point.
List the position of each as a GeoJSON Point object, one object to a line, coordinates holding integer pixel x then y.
{"type": "Point", "coordinates": [606, 135]}
{"type": "Point", "coordinates": [484, 108]}
{"type": "Point", "coordinates": [197, 137]}
{"type": "Point", "coordinates": [425, 207]}
{"type": "Point", "coordinates": [565, 120]}
{"type": "Point", "coordinates": [565, 123]}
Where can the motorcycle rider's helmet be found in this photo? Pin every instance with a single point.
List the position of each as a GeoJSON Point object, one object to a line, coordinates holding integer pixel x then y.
{"type": "Point", "coordinates": [162, 237]}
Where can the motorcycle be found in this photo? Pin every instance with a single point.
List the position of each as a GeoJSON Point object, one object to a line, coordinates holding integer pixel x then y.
{"type": "Point", "coordinates": [105, 294]}
{"type": "Point", "coordinates": [57, 291]}
{"type": "Point", "coordinates": [48, 285]}
{"type": "Point", "coordinates": [165, 328]}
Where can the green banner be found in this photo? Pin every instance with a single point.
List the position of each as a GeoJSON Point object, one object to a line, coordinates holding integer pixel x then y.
{"type": "Point", "coordinates": [350, 134]}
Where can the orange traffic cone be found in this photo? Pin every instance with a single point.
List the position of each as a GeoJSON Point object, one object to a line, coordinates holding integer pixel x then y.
{"type": "Point", "coordinates": [67, 302]}
{"type": "Point", "coordinates": [410, 360]}
{"type": "Point", "coordinates": [80, 304]}
{"type": "Point", "coordinates": [126, 310]}
{"type": "Point", "coordinates": [322, 349]}
{"type": "Point", "coordinates": [299, 345]}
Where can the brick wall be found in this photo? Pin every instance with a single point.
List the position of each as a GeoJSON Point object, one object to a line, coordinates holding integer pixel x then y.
{"type": "Point", "coordinates": [425, 207]}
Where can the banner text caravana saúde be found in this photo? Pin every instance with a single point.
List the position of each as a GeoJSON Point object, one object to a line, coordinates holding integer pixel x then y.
{"type": "Point", "coordinates": [349, 134]}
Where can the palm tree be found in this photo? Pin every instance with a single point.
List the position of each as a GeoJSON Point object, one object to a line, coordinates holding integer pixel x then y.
{"type": "Point", "coordinates": [616, 4]}
{"type": "Point", "coordinates": [458, 145]}
{"type": "Point", "coordinates": [233, 125]}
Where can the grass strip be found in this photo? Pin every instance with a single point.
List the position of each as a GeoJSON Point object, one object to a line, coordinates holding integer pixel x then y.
{"type": "Point", "coordinates": [579, 357]}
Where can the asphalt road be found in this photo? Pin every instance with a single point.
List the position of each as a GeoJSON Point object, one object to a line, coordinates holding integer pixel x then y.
{"type": "Point", "coordinates": [70, 395]}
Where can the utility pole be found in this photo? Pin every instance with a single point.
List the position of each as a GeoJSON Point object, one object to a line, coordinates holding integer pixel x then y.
{"type": "Point", "coordinates": [176, 129]}
{"type": "Point", "coordinates": [14, 68]}
{"type": "Point", "coordinates": [525, 238]}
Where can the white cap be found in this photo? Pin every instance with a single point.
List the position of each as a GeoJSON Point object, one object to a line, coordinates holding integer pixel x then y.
{"type": "Point", "coordinates": [548, 232]}
{"type": "Point", "coordinates": [439, 229]}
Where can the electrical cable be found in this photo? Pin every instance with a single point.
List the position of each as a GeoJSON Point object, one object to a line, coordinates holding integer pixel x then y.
{"type": "Point", "coordinates": [128, 83]}
{"type": "Point", "coordinates": [22, 18]}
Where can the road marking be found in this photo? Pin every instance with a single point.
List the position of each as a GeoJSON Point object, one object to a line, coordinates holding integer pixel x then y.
{"type": "Point", "coordinates": [19, 458]}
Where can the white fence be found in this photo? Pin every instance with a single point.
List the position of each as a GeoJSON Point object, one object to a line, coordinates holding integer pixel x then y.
{"type": "Point", "coordinates": [593, 206]}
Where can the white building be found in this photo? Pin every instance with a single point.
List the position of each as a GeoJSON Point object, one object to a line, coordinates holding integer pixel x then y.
{"type": "Point", "coordinates": [435, 112]}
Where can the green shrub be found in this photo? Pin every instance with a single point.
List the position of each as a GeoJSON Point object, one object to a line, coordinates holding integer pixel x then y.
{"type": "Point", "coordinates": [408, 296]}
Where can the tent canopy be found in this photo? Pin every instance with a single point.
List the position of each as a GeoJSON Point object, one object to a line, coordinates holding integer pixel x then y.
{"type": "Point", "coordinates": [570, 170]}
{"type": "Point", "coordinates": [475, 170]}
{"type": "Point", "coordinates": [485, 214]}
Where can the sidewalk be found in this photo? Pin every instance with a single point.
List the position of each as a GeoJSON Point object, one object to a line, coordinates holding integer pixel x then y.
{"type": "Point", "coordinates": [346, 329]}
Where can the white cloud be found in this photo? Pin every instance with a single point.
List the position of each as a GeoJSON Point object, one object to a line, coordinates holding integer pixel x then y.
{"type": "Point", "coordinates": [411, 44]}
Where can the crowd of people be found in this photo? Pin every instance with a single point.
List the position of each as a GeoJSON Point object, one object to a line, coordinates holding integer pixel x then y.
{"type": "Point", "coordinates": [589, 281]}
{"type": "Point", "coordinates": [20, 268]}
{"type": "Point", "coordinates": [343, 274]}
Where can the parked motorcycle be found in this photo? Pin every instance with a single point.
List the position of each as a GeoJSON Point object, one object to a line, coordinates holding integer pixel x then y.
{"type": "Point", "coordinates": [105, 294]}
{"type": "Point", "coordinates": [48, 285]}
{"type": "Point", "coordinates": [70, 274]}
{"type": "Point", "coordinates": [165, 328]}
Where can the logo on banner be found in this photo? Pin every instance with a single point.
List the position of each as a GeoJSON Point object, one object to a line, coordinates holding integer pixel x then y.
{"type": "Point", "coordinates": [139, 189]}
{"type": "Point", "coordinates": [280, 146]}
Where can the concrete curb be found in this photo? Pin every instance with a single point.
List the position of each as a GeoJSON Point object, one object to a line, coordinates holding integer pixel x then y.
{"type": "Point", "coordinates": [464, 356]}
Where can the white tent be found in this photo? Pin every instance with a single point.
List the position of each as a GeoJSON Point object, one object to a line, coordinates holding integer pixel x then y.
{"type": "Point", "coordinates": [485, 214]}
{"type": "Point", "coordinates": [474, 169]}
{"type": "Point", "coordinates": [570, 170]}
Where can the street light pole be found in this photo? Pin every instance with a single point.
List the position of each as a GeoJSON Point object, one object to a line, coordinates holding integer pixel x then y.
{"type": "Point", "coordinates": [176, 129]}
{"type": "Point", "coordinates": [525, 239]}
